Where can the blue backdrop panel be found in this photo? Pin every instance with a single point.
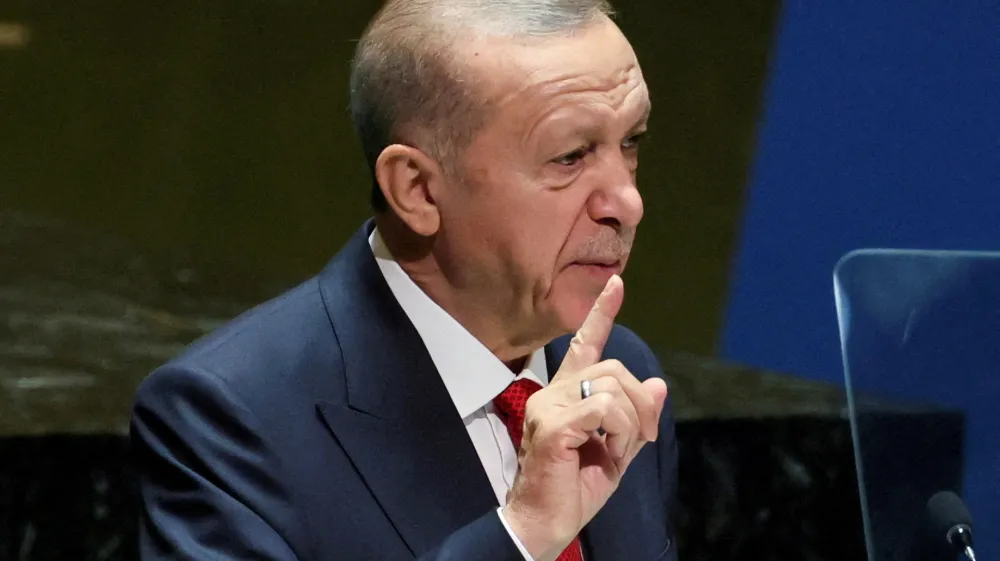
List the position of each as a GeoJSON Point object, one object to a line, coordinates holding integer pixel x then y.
{"type": "Point", "coordinates": [881, 128]}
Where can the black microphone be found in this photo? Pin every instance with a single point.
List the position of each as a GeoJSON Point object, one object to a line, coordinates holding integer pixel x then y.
{"type": "Point", "coordinates": [950, 518]}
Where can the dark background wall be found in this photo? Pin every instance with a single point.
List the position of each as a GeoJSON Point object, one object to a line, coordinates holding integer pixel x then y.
{"type": "Point", "coordinates": [218, 131]}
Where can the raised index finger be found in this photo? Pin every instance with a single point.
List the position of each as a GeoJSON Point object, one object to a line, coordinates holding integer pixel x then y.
{"type": "Point", "coordinates": [587, 345]}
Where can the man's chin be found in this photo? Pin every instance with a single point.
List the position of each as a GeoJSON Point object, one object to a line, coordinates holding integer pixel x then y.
{"type": "Point", "coordinates": [573, 311]}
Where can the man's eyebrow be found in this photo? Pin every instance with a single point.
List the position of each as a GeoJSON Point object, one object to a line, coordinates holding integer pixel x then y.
{"type": "Point", "coordinates": [647, 110]}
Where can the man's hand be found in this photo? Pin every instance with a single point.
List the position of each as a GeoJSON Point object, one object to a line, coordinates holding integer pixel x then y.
{"type": "Point", "coordinates": [566, 471]}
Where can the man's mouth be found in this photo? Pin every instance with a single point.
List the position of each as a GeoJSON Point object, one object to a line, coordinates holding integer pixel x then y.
{"type": "Point", "coordinates": [600, 267]}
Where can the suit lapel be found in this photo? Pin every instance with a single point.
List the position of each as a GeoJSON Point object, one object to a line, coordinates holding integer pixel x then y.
{"type": "Point", "coordinates": [398, 425]}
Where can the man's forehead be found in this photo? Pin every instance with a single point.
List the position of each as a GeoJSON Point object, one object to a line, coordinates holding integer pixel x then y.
{"type": "Point", "coordinates": [627, 94]}
{"type": "Point", "coordinates": [599, 60]}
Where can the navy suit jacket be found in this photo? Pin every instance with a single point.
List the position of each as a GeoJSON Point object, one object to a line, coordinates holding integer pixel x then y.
{"type": "Point", "coordinates": [315, 427]}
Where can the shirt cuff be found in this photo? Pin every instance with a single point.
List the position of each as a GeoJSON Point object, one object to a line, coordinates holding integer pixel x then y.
{"type": "Point", "coordinates": [517, 542]}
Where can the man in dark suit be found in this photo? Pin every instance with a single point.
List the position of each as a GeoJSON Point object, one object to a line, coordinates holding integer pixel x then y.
{"type": "Point", "coordinates": [421, 397]}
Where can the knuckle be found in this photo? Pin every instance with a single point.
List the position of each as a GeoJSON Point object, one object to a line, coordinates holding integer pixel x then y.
{"type": "Point", "coordinates": [615, 365]}
{"type": "Point", "coordinates": [614, 385]}
{"type": "Point", "coordinates": [616, 368]}
{"type": "Point", "coordinates": [577, 345]}
{"type": "Point", "coordinates": [604, 401]}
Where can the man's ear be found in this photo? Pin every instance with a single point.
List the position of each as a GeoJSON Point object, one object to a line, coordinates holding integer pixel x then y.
{"type": "Point", "coordinates": [405, 175]}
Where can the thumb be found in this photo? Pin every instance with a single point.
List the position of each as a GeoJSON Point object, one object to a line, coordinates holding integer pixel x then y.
{"type": "Point", "coordinates": [657, 388]}
{"type": "Point", "coordinates": [587, 346]}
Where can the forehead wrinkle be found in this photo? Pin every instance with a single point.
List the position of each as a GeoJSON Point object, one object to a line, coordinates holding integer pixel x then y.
{"type": "Point", "coordinates": [569, 84]}
{"type": "Point", "coordinates": [558, 89]}
{"type": "Point", "coordinates": [647, 107]}
{"type": "Point", "coordinates": [570, 81]}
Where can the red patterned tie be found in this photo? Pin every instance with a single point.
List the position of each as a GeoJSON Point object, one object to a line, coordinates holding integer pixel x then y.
{"type": "Point", "coordinates": [510, 407]}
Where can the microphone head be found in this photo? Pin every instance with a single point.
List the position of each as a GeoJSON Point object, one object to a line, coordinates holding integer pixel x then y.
{"type": "Point", "coordinates": [946, 510]}
{"type": "Point", "coordinates": [948, 517]}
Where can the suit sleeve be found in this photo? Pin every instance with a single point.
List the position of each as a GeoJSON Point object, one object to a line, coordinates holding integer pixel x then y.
{"type": "Point", "coordinates": [486, 539]}
{"type": "Point", "coordinates": [208, 482]}
{"type": "Point", "coordinates": [212, 488]}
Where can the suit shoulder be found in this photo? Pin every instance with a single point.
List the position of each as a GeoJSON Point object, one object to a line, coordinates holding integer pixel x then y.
{"type": "Point", "coordinates": [626, 340]}
{"type": "Point", "coordinates": [266, 348]}
{"type": "Point", "coordinates": [625, 345]}
{"type": "Point", "coordinates": [266, 324]}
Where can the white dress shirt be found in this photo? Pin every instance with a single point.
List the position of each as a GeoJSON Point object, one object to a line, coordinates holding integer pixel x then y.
{"type": "Point", "coordinates": [472, 374]}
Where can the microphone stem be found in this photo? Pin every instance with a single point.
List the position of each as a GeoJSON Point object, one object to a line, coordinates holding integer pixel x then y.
{"type": "Point", "coordinates": [970, 554]}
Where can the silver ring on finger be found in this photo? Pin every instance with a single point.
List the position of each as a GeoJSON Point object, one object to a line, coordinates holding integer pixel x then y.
{"type": "Point", "coordinates": [585, 392]}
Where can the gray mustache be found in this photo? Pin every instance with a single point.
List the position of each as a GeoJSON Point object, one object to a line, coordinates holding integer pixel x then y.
{"type": "Point", "coordinates": [608, 245]}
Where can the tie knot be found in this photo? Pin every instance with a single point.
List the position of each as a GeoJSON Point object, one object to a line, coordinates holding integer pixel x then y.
{"type": "Point", "coordinates": [510, 406]}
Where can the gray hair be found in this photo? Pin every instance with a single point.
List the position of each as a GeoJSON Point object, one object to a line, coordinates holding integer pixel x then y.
{"type": "Point", "coordinates": [404, 73]}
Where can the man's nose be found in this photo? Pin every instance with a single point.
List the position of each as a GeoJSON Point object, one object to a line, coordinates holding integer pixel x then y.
{"type": "Point", "coordinates": [616, 201]}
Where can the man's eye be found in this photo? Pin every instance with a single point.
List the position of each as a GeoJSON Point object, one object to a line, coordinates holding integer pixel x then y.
{"type": "Point", "coordinates": [632, 142]}
{"type": "Point", "coordinates": [570, 159]}
{"type": "Point", "coordinates": [573, 157]}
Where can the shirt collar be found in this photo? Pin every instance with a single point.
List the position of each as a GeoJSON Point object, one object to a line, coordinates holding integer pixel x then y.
{"type": "Point", "coordinates": [471, 373]}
